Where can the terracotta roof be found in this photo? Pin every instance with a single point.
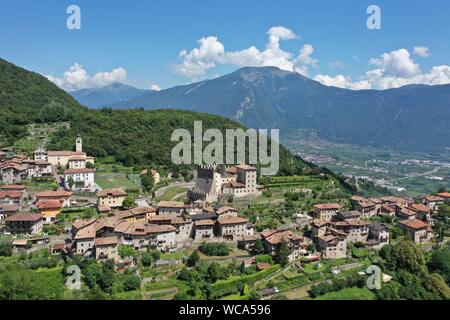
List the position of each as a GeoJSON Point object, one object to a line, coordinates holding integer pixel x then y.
{"type": "Point", "coordinates": [106, 241]}
{"type": "Point", "coordinates": [9, 208]}
{"type": "Point", "coordinates": [231, 220]}
{"type": "Point", "coordinates": [358, 198]}
{"type": "Point", "coordinates": [224, 209]}
{"type": "Point", "coordinates": [320, 223]}
{"type": "Point", "coordinates": [77, 171]}
{"type": "Point", "coordinates": [420, 207]}
{"type": "Point", "coordinates": [376, 200]}
{"type": "Point", "coordinates": [143, 210]}
{"type": "Point", "coordinates": [54, 194]}
{"type": "Point", "coordinates": [58, 246]}
{"type": "Point", "coordinates": [140, 228]}
{"type": "Point", "coordinates": [246, 167]}
{"type": "Point", "coordinates": [388, 208]}
{"type": "Point", "coordinates": [204, 223]}
{"type": "Point", "coordinates": [235, 184]}
{"type": "Point", "coordinates": [328, 206]}
{"type": "Point", "coordinates": [13, 187]}
{"type": "Point", "coordinates": [161, 229]}
{"type": "Point", "coordinates": [393, 199]}
{"type": "Point", "coordinates": [408, 212]}
{"type": "Point", "coordinates": [445, 195]}
{"type": "Point", "coordinates": [49, 204]}
{"type": "Point", "coordinates": [86, 233]}
{"type": "Point", "coordinates": [414, 224]}
{"type": "Point", "coordinates": [109, 222]}
{"type": "Point", "coordinates": [21, 216]}
{"type": "Point", "coordinates": [64, 153]}
{"type": "Point", "coordinates": [286, 236]}
{"type": "Point", "coordinates": [162, 217]}
{"type": "Point", "coordinates": [112, 192]}
{"type": "Point", "coordinates": [209, 209]}
{"type": "Point", "coordinates": [231, 170]}
{"type": "Point", "coordinates": [78, 224]}
{"type": "Point", "coordinates": [352, 223]}
{"type": "Point", "coordinates": [171, 204]}
{"type": "Point", "coordinates": [366, 203]}
{"type": "Point", "coordinates": [434, 198]}
{"type": "Point", "coordinates": [10, 194]}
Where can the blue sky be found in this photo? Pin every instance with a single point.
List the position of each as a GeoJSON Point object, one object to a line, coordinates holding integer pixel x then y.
{"type": "Point", "coordinates": [141, 40]}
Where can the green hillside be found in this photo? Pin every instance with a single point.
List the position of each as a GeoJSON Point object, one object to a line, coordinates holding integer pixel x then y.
{"type": "Point", "coordinates": [132, 137]}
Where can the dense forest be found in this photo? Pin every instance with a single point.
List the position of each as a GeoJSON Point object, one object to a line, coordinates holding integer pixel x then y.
{"type": "Point", "coordinates": [132, 137]}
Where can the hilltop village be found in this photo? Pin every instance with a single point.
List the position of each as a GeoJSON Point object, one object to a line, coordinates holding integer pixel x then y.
{"type": "Point", "coordinates": [330, 231]}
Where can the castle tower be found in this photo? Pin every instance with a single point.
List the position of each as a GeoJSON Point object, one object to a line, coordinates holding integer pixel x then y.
{"type": "Point", "coordinates": [79, 144]}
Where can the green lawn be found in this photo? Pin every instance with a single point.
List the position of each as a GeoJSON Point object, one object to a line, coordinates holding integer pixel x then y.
{"type": "Point", "coordinates": [116, 180]}
{"type": "Point", "coordinates": [173, 255]}
{"type": "Point", "coordinates": [349, 294]}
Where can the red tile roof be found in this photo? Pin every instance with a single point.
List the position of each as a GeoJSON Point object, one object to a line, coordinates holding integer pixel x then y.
{"type": "Point", "coordinates": [10, 194]}
{"type": "Point", "coordinates": [231, 220]}
{"type": "Point", "coordinates": [414, 224]}
{"type": "Point", "coordinates": [54, 194]}
{"type": "Point", "coordinates": [445, 195]}
{"type": "Point", "coordinates": [112, 192]}
{"type": "Point", "coordinates": [420, 207]}
{"type": "Point", "coordinates": [328, 206]}
{"type": "Point", "coordinates": [106, 241]}
{"type": "Point", "coordinates": [49, 204]}
{"type": "Point", "coordinates": [204, 223]}
{"type": "Point", "coordinates": [21, 216]}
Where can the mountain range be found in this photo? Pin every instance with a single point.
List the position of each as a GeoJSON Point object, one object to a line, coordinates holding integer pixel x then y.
{"type": "Point", "coordinates": [114, 93]}
{"type": "Point", "coordinates": [137, 137]}
{"type": "Point", "coordinates": [414, 118]}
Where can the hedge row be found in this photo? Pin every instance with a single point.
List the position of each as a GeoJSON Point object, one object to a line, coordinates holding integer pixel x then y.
{"type": "Point", "coordinates": [230, 286]}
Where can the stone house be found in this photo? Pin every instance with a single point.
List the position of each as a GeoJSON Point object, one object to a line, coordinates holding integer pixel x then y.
{"type": "Point", "coordinates": [417, 231]}
{"type": "Point", "coordinates": [112, 198]}
{"type": "Point", "coordinates": [327, 211]}
{"type": "Point", "coordinates": [24, 223]}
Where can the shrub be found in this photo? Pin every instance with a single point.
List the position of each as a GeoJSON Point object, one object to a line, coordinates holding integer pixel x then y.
{"type": "Point", "coordinates": [215, 249]}
{"type": "Point", "coordinates": [131, 282]}
{"type": "Point", "coordinates": [264, 258]}
{"type": "Point", "coordinates": [6, 249]}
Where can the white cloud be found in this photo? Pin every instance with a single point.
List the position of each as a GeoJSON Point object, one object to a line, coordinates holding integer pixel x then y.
{"type": "Point", "coordinates": [155, 87]}
{"type": "Point", "coordinates": [422, 52]}
{"type": "Point", "coordinates": [211, 52]}
{"type": "Point", "coordinates": [78, 78]}
{"type": "Point", "coordinates": [397, 64]}
{"type": "Point", "coordinates": [199, 60]}
{"type": "Point", "coordinates": [393, 70]}
{"type": "Point", "coordinates": [438, 75]}
{"type": "Point", "coordinates": [342, 81]}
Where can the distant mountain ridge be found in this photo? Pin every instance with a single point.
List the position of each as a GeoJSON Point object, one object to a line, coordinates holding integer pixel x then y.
{"type": "Point", "coordinates": [415, 117]}
{"type": "Point", "coordinates": [135, 138]}
{"type": "Point", "coordinates": [113, 93]}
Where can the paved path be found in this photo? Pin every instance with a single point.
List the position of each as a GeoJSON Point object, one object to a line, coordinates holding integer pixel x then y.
{"type": "Point", "coordinates": [163, 190]}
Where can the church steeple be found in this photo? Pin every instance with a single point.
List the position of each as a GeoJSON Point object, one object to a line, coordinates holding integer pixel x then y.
{"type": "Point", "coordinates": [79, 144]}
